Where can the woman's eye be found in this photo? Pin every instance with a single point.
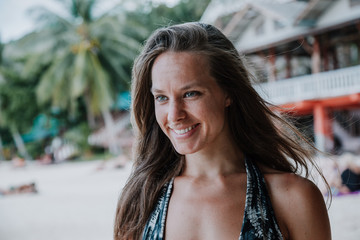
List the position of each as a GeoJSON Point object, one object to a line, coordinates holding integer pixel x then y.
{"type": "Point", "coordinates": [161, 98]}
{"type": "Point", "coordinates": [191, 94]}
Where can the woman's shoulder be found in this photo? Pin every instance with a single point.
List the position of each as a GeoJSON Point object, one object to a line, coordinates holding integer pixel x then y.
{"type": "Point", "coordinates": [290, 182]}
{"type": "Point", "coordinates": [293, 190]}
{"type": "Point", "coordinates": [286, 182]}
{"type": "Point", "coordinates": [299, 204]}
{"type": "Point", "coordinates": [294, 187]}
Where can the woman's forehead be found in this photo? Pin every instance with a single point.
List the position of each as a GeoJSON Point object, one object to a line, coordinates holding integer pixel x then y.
{"type": "Point", "coordinates": [182, 67]}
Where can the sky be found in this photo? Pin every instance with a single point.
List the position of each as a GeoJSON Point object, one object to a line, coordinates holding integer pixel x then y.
{"type": "Point", "coordinates": [15, 20]}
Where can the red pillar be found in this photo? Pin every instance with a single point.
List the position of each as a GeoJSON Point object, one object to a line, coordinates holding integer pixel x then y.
{"type": "Point", "coordinates": [272, 60]}
{"type": "Point", "coordinates": [323, 128]}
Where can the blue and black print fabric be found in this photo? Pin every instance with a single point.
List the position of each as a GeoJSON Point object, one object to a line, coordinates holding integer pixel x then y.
{"type": "Point", "coordinates": [259, 221]}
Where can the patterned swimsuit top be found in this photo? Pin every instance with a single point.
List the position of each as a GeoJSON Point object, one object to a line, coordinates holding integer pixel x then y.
{"type": "Point", "coordinates": [259, 221]}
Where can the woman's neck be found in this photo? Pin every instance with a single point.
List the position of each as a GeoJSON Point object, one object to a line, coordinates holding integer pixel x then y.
{"type": "Point", "coordinates": [221, 161]}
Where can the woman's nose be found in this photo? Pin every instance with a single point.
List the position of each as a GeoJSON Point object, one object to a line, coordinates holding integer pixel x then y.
{"type": "Point", "coordinates": [176, 111]}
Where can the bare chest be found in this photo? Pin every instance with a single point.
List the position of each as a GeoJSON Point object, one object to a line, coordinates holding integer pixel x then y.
{"type": "Point", "coordinates": [206, 212]}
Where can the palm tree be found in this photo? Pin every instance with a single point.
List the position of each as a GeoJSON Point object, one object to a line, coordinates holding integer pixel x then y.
{"type": "Point", "coordinates": [81, 57]}
{"type": "Point", "coordinates": [16, 111]}
{"type": "Point", "coordinates": [153, 15]}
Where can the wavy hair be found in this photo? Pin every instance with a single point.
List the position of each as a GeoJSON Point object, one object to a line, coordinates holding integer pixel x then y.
{"type": "Point", "coordinates": [259, 132]}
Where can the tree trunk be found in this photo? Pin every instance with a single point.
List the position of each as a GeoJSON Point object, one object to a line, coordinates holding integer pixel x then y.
{"type": "Point", "coordinates": [20, 143]}
{"type": "Point", "coordinates": [110, 132]}
{"type": "Point", "coordinates": [89, 114]}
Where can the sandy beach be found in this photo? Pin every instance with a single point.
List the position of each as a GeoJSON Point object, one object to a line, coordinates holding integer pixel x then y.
{"type": "Point", "coordinates": [76, 201]}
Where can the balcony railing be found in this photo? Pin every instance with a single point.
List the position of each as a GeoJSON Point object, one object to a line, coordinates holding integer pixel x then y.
{"type": "Point", "coordinates": [316, 86]}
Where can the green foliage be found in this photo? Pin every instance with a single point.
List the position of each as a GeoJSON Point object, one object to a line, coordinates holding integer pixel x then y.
{"type": "Point", "coordinates": [5, 134]}
{"type": "Point", "coordinates": [1, 50]}
{"type": "Point", "coordinates": [150, 16]}
{"type": "Point", "coordinates": [9, 151]}
{"type": "Point", "coordinates": [73, 66]}
{"type": "Point", "coordinates": [17, 107]}
{"type": "Point", "coordinates": [17, 104]}
{"type": "Point", "coordinates": [79, 135]}
{"type": "Point", "coordinates": [36, 149]}
{"type": "Point", "coordinates": [80, 56]}
{"type": "Point", "coordinates": [184, 11]}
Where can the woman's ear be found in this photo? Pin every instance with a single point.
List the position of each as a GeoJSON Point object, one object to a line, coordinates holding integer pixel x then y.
{"type": "Point", "coordinates": [228, 101]}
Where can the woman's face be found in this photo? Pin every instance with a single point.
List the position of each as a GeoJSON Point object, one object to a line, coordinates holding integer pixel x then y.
{"type": "Point", "coordinates": [189, 104]}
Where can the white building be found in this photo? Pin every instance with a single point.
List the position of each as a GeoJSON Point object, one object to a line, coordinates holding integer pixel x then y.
{"type": "Point", "coordinates": [306, 54]}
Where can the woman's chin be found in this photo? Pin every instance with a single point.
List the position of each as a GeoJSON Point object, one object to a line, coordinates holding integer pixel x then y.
{"type": "Point", "coordinates": [185, 150]}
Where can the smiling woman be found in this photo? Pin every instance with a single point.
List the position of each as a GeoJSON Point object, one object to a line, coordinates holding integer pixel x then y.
{"type": "Point", "coordinates": [190, 108]}
{"type": "Point", "coordinates": [212, 161]}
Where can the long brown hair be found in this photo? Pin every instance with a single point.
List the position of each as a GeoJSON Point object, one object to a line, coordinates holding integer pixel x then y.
{"type": "Point", "coordinates": [259, 132]}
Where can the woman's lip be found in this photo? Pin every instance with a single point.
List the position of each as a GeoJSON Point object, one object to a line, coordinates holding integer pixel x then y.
{"type": "Point", "coordinates": [184, 130]}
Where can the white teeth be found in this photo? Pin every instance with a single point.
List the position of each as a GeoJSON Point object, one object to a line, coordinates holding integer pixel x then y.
{"type": "Point", "coordinates": [183, 131]}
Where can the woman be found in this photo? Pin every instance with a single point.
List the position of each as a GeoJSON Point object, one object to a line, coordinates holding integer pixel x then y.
{"type": "Point", "coordinates": [211, 161]}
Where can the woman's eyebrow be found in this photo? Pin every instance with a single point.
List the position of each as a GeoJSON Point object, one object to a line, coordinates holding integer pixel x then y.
{"type": "Point", "coordinates": [192, 85]}
{"type": "Point", "coordinates": [186, 87]}
{"type": "Point", "coordinates": [155, 90]}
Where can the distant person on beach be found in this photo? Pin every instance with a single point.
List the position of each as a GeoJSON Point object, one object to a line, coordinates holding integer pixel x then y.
{"type": "Point", "coordinates": [18, 162]}
{"type": "Point", "coordinates": [351, 180]}
{"type": "Point", "coordinates": [341, 172]}
{"type": "Point", "coordinates": [212, 161]}
{"type": "Point", "coordinates": [24, 188]}
{"type": "Point", "coordinates": [350, 175]}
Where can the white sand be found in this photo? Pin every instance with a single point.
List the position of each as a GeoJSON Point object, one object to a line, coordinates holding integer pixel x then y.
{"type": "Point", "coordinates": [76, 202]}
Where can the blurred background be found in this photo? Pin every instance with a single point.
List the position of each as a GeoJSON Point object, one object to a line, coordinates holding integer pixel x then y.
{"type": "Point", "coordinates": [65, 76]}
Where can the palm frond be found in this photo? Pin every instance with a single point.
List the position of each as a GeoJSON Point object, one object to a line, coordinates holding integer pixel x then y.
{"type": "Point", "coordinates": [50, 83]}
{"type": "Point", "coordinates": [79, 81]}
{"type": "Point", "coordinates": [100, 92]}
